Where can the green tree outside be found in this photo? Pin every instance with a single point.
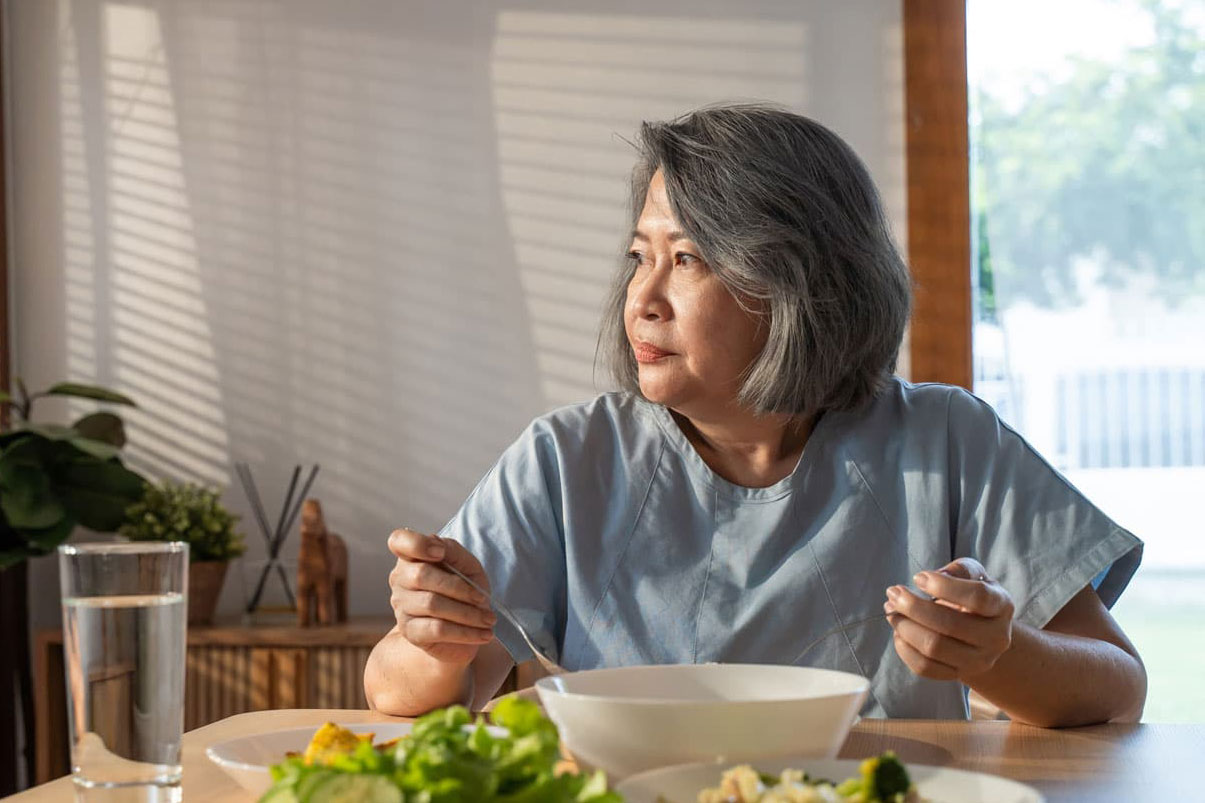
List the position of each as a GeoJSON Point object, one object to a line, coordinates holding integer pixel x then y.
{"type": "Point", "coordinates": [1107, 164]}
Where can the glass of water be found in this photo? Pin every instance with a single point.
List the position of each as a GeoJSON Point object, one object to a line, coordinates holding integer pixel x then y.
{"type": "Point", "coordinates": [124, 633]}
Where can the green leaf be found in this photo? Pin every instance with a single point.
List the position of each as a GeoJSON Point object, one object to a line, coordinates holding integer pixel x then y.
{"type": "Point", "coordinates": [46, 540]}
{"type": "Point", "coordinates": [103, 427]}
{"type": "Point", "coordinates": [28, 500]}
{"type": "Point", "coordinates": [443, 761]}
{"type": "Point", "coordinates": [57, 432]}
{"type": "Point", "coordinates": [595, 787]}
{"type": "Point", "coordinates": [79, 391]}
{"type": "Point", "coordinates": [52, 432]}
{"type": "Point", "coordinates": [185, 512]}
{"type": "Point", "coordinates": [13, 435]}
{"type": "Point", "coordinates": [518, 716]}
{"type": "Point", "coordinates": [97, 449]}
{"type": "Point", "coordinates": [97, 492]}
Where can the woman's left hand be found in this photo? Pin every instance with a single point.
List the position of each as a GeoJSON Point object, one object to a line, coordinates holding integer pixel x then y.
{"type": "Point", "coordinates": [958, 634]}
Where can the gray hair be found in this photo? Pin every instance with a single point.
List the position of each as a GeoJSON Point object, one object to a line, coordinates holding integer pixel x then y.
{"type": "Point", "coordinates": [784, 213]}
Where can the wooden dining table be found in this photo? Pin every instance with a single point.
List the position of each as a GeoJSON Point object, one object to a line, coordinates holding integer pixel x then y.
{"type": "Point", "coordinates": [1096, 764]}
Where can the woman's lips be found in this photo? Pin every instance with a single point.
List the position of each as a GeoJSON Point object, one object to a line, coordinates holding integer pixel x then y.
{"type": "Point", "coordinates": [647, 352]}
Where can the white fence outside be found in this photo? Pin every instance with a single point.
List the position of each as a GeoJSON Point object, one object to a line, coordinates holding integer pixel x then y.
{"type": "Point", "coordinates": [1112, 395]}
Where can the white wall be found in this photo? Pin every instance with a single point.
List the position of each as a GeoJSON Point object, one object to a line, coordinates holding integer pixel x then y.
{"type": "Point", "coordinates": [372, 235]}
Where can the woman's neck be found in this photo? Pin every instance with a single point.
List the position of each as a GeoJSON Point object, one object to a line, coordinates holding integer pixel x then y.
{"type": "Point", "coordinates": [745, 449]}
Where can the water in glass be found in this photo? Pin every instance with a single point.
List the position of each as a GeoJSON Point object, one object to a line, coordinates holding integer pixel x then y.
{"type": "Point", "coordinates": [124, 627]}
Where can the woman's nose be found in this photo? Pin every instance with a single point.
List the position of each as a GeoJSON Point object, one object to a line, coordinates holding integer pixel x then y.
{"type": "Point", "coordinates": [648, 297]}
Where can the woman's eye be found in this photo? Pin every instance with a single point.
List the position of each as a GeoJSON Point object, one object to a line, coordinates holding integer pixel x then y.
{"type": "Point", "coordinates": [683, 258]}
{"type": "Point", "coordinates": [635, 257]}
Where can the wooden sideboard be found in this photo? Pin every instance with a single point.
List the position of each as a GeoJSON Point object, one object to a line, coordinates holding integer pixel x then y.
{"type": "Point", "coordinates": [231, 669]}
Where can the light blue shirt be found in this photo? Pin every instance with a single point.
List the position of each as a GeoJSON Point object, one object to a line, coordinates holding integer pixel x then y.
{"type": "Point", "coordinates": [612, 540]}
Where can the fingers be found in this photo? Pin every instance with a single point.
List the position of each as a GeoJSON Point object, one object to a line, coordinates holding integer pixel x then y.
{"type": "Point", "coordinates": [922, 664]}
{"type": "Point", "coordinates": [934, 645]}
{"type": "Point", "coordinates": [417, 553]}
{"type": "Point", "coordinates": [426, 633]}
{"type": "Point", "coordinates": [966, 660]}
{"type": "Point", "coordinates": [984, 597]}
{"type": "Point", "coordinates": [464, 561]}
{"type": "Point", "coordinates": [942, 619]}
{"type": "Point", "coordinates": [428, 604]}
{"type": "Point", "coordinates": [436, 610]}
{"type": "Point", "coordinates": [430, 577]}
{"type": "Point", "coordinates": [965, 569]}
{"type": "Point", "coordinates": [961, 631]}
{"type": "Point", "coordinates": [411, 545]}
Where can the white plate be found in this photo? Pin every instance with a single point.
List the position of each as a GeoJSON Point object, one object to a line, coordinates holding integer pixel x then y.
{"type": "Point", "coordinates": [247, 758]}
{"type": "Point", "coordinates": [682, 784]}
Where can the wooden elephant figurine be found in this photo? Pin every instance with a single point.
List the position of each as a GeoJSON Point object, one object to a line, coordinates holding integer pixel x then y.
{"type": "Point", "coordinates": [321, 570]}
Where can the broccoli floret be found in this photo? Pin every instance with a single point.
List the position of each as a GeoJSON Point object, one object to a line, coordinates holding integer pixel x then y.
{"type": "Point", "coordinates": [884, 777]}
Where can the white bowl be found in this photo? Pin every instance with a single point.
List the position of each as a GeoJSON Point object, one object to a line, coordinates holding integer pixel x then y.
{"type": "Point", "coordinates": [936, 784]}
{"type": "Point", "coordinates": [630, 719]}
{"type": "Point", "coordinates": [247, 758]}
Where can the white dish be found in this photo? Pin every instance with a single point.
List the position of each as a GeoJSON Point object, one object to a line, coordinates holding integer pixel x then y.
{"type": "Point", "coordinates": [630, 719]}
{"type": "Point", "coordinates": [247, 758]}
{"type": "Point", "coordinates": [936, 784]}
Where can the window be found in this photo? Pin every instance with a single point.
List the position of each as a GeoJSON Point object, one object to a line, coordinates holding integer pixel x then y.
{"type": "Point", "coordinates": [1088, 275]}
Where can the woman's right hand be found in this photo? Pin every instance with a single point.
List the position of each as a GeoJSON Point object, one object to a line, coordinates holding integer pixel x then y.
{"type": "Point", "coordinates": [437, 611]}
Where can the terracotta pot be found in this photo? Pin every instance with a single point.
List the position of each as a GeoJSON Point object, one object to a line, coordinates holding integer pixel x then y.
{"type": "Point", "coordinates": [204, 586]}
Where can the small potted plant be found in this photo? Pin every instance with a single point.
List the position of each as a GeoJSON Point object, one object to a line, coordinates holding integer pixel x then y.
{"type": "Point", "coordinates": [193, 514]}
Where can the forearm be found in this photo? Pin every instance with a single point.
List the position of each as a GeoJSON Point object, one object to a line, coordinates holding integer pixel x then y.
{"type": "Point", "coordinates": [402, 680]}
{"type": "Point", "coordinates": [1054, 679]}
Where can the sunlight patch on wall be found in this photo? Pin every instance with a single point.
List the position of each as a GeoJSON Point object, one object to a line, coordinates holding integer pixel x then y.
{"type": "Point", "coordinates": [567, 90]}
{"type": "Point", "coordinates": [161, 338]}
{"type": "Point", "coordinates": [78, 236]}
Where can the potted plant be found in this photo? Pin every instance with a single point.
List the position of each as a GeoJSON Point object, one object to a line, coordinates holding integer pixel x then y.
{"type": "Point", "coordinates": [193, 514]}
{"type": "Point", "coordinates": [52, 478]}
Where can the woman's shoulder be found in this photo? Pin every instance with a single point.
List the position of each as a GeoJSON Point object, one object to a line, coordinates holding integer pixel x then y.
{"type": "Point", "coordinates": [901, 405]}
{"type": "Point", "coordinates": [615, 418]}
{"type": "Point", "coordinates": [913, 419]}
{"type": "Point", "coordinates": [925, 404]}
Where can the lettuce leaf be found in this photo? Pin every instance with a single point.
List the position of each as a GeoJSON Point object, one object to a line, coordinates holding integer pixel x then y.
{"type": "Point", "coordinates": [447, 758]}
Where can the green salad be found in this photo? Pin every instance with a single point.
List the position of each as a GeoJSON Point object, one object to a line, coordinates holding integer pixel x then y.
{"type": "Point", "coordinates": [446, 758]}
{"type": "Point", "coordinates": [880, 779]}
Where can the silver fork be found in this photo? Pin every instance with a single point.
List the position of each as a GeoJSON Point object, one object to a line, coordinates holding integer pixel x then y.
{"type": "Point", "coordinates": [547, 664]}
{"type": "Point", "coordinates": [553, 668]}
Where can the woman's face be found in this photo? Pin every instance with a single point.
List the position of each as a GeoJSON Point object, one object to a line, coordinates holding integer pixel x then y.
{"type": "Point", "coordinates": [691, 339]}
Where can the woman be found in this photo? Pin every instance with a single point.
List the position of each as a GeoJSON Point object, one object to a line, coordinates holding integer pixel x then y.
{"type": "Point", "coordinates": [764, 477]}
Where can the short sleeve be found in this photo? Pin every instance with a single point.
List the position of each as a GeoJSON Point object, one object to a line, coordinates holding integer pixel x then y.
{"type": "Point", "coordinates": [1028, 526]}
{"type": "Point", "coordinates": [511, 524]}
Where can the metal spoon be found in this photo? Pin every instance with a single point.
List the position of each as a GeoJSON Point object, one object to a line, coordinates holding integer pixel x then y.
{"type": "Point", "coordinates": [872, 618]}
{"type": "Point", "coordinates": [547, 664]}
{"type": "Point", "coordinates": [839, 628]}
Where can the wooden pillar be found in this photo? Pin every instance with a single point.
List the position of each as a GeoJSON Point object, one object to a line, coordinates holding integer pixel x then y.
{"type": "Point", "coordinates": [16, 702]}
{"type": "Point", "coordinates": [6, 345]}
{"type": "Point", "coordinates": [939, 216]}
